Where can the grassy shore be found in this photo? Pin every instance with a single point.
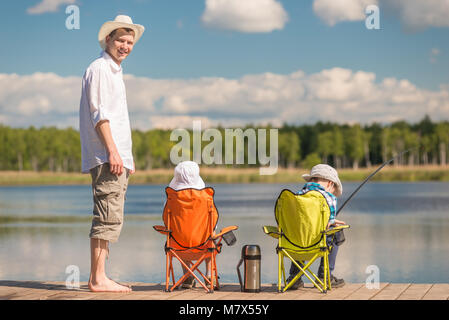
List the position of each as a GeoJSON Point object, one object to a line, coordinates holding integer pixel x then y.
{"type": "Point", "coordinates": [230, 175]}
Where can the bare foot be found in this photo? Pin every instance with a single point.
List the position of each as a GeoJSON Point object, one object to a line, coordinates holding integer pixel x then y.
{"type": "Point", "coordinates": [108, 285]}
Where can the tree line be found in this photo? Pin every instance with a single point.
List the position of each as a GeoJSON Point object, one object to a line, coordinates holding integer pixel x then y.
{"type": "Point", "coordinates": [340, 145]}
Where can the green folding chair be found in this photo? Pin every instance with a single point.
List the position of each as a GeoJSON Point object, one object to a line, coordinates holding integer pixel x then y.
{"type": "Point", "coordinates": [301, 233]}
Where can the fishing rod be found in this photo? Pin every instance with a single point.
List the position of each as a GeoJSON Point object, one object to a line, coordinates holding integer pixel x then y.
{"type": "Point", "coordinates": [370, 176]}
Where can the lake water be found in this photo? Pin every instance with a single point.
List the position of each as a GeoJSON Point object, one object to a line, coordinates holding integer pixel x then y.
{"type": "Point", "coordinates": [402, 228]}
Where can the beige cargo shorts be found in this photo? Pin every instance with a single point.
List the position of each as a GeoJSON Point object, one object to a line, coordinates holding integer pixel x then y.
{"type": "Point", "coordinates": [109, 201]}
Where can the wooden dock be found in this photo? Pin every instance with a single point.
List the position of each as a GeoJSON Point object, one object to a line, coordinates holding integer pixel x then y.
{"type": "Point", "coordinates": [42, 290]}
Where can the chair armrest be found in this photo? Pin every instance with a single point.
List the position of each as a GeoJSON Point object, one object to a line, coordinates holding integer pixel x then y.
{"type": "Point", "coordinates": [271, 231]}
{"type": "Point", "coordinates": [162, 229]}
{"type": "Point", "coordinates": [224, 231]}
{"type": "Point", "coordinates": [335, 229]}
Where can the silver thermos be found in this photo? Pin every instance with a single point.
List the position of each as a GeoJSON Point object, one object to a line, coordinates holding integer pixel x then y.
{"type": "Point", "coordinates": [251, 257]}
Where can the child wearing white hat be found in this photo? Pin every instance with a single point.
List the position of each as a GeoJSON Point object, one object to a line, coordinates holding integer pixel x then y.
{"type": "Point", "coordinates": [324, 179]}
{"type": "Point", "coordinates": [187, 175]}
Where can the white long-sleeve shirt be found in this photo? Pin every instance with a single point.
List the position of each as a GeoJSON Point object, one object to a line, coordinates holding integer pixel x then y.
{"type": "Point", "coordinates": [103, 97]}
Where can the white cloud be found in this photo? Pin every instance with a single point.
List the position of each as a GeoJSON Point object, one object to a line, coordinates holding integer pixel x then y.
{"type": "Point", "coordinates": [48, 6]}
{"type": "Point", "coordinates": [417, 14]}
{"type": "Point", "coordinates": [337, 95]}
{"type": "Point", "coordinates": [38, 99]}
{"type": "Point", "coordinates": [34, 104]}
{"type": "Point", "coordinates": [339, 84]}
{"type": "Point", "coordinates": [414, 14]}
{"type": "Point", "coordinates": [335, 11]}
{"type": "Point", "coordinates": [245, 16]}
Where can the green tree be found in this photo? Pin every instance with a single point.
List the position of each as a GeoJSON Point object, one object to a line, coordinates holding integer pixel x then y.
{"type": "Point", "coordinates": [338, 147]}
{"type": "Point", "coordinates": [310, 160]}
{"type": "Point", "coordinates": [411, 141]}
{"type": "Point", "coordinates": [325, 145]}
{"type": "Point", "coordinates": [355, 144]}
{"type": "Point", "coordinates": [289, 148]}
{"type": "Point", "coordinates": [392, 144]}
{"type": "Point", "coordinates": [442, 133]}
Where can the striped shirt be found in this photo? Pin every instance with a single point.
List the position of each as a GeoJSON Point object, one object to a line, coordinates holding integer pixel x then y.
{"type": "Point", "coordinates": [330, 198]}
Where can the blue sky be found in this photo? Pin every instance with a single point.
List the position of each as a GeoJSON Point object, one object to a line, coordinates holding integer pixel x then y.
{"type": "Point", "coordinates": [179, 46]}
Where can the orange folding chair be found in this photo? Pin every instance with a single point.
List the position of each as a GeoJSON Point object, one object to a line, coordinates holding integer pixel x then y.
{"type": "Point", "coordinates": [190, 218]}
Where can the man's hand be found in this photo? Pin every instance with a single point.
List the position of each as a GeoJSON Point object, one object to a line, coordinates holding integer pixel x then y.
{"type": "Point", "coordinates": [115, 163]}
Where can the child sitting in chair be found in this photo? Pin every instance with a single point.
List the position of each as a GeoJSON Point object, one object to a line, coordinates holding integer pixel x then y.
{"type": "Point", "coordinates": [187, 175]}
{"type": "Point", "coordinates": [324, 179]}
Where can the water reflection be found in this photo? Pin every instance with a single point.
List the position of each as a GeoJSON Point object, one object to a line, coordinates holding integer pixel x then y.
{"type": "Point", "coordinates": [401, 228]}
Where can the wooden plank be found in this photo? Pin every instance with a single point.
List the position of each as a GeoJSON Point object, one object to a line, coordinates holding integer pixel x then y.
{"type": "Point", "coordinates": [83, 293]}
{"type": "Point", "coordinates": [12, 289]}
{"type": "Point", "coordinates": [415, 292]}
{"type": "Point", "coordinates": [392, 291]}
{"type": "Point", "coordinates": [35, 294]}
{"type": "Point", "coordinates": [438, 291]}
{"type": "Point", "coordinates": [155, 291]}
{"type": "Point", "coordinates": [236, 294]}
{"type": "Point", "coordinates": [342, 292]}
{"type": "Point", "coordinates": [53, 290]}
{"type": "Point", "coordinates": [19, 292]}
{"type": "Point", "coordinates": [287, 295]}
{"type": "Point", "coordinates": [309, 292]}
{"type": "Point", "coordinates": [141, 296]}
{"type": "Point", "coordinates": [7, 293]}
{"type": "Point", "coordinates": [268, 292]}
{"type": "Point", "coordinates": [226, 291]}
{"type": "Point", "coordinates": [229, 292]}
{"type": "Point", "coordinates": [69, 296]}
{"type": "Point", "coordinates": [140, 291]}
{"type": "Point", "coordinates": [107, 295]}
{"type": "Point", "coordinates": [363, 293]}
{"type": "Point", "coordinates": [26, 290]}
{"type": "Point", "coordinates": [190, 294]}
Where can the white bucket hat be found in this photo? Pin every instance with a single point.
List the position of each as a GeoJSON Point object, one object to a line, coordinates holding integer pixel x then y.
{"type": "Point", "coordinates": [326, 172]}
{"type": "Point", "coordinates": [187, 175]}
{"type": "Point", "coordinates": [120, 21]}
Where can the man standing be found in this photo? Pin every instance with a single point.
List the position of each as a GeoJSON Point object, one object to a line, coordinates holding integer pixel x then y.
{"type": "Point", "coordinates": [106, 146]}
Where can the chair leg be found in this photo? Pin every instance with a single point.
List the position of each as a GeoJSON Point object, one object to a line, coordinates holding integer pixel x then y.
{"type": "Point", "coordinates": [303, 271]}
{"type": "Point", "coordinates": [280, 266]}
{"type": "Point", "coordinates": [168, 267]}
{"type": "Point", "coordinates": [283, 271]}
{"type": "Point", "coordinates": [212, 272]}
{"type": "Point", "coordinates": [216, 275]}
{"type": "Point", "coordinates": [325, 273]}
{"type": "Point", "coordinates": [172, 272]}
{"type": "Point", "coordinates": [190, 271]}
{"type": "Point", "coordinates": [328, 272]}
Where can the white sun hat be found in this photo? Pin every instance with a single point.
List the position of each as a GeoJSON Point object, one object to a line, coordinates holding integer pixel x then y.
{"type": "Point", "coordinates": [325, 171]}
{"type": "Point", "coordinates": [120, 21]}
{"type": "Point", "coordinates": [187, 175]}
